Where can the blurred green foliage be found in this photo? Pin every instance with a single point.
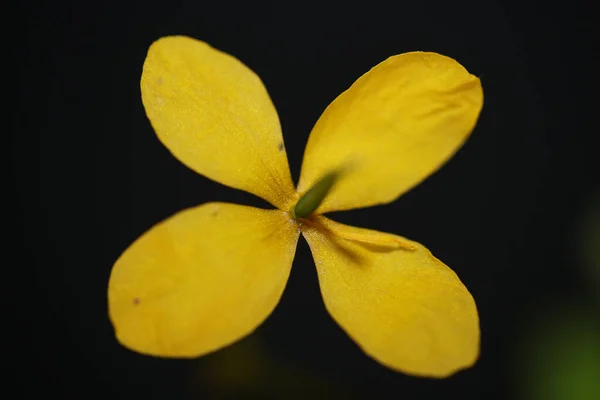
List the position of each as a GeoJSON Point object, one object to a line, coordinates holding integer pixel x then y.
{"type": "Point", "coordinates": [558, 357]}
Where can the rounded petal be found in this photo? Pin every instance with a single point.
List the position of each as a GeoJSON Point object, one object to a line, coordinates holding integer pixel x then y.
{"type": "Point", "coordinates": [215, 115]}
{"type": "Point", "coordinates": [403, 306]}
{"type": "Point", "coordinates": [201, 279]}
{"type": "Point", "coordinates": [395, 126]}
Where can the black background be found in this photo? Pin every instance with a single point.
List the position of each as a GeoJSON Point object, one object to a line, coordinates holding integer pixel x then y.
{"type": "Point", "coordinates": [89, 176]}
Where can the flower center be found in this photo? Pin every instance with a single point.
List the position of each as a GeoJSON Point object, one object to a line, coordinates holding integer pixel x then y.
{"type": "Point", "coordinates": [312, 199]}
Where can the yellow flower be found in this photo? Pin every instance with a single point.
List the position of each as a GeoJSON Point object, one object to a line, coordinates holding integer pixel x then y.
{"type": "Point", "coordinates": [208, 276]}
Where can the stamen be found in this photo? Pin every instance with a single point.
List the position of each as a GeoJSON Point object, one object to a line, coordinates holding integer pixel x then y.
{"type": "Point", "coordinates": [381, 240]}
{"type": "Point", "coordinates": [378, 240]}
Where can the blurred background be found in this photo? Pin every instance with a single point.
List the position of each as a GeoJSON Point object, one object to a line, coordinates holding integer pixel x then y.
{"type": "Point", "coordinates": [516, 213]}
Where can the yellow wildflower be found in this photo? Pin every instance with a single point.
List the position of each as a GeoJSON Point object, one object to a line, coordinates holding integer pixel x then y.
{"type": "Point", "coordinates": [209, 275]}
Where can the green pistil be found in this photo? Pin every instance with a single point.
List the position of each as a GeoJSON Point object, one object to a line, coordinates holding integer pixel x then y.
{"type": "Point", "coordinates": [313, 198]}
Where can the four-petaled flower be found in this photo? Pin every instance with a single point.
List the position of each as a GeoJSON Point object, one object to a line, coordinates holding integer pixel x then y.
{"type": "Point", "coordinates": [208, 276]}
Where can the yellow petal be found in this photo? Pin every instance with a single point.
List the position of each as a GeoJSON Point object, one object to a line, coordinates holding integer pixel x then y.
{"type": "Point", "coordinates": [403, 306]}
{"type": "Point", "coordinates": [395, 126]}
{"type": "Point", "coordinates": [201, 279]}
{"type": "Point", "coordinates": [215, 115]}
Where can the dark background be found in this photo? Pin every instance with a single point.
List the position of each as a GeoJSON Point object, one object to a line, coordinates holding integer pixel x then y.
{"type": "Point", "coordinates": [88, 176]}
